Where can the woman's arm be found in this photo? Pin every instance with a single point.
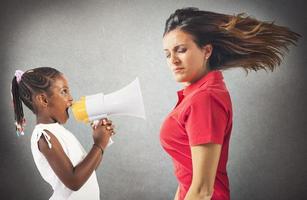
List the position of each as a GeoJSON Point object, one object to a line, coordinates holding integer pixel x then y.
{"type": "Point", "coordinates": [205, 160]}
{"type": "Point", "coordinates": [177, 194]}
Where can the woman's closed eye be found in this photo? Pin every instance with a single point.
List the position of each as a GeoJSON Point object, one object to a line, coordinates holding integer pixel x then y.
{"type": "Point", "coordinates": [181, 50]}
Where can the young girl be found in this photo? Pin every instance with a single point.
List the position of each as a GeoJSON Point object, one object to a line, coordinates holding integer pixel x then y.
{"type": "Point", "coordinates": [198, 45]}
{"type": "Point", "coordinates": [58, 155]}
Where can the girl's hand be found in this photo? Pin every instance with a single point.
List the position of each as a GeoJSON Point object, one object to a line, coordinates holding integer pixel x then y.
{"type": "Point", "coordinates": [102, 132]}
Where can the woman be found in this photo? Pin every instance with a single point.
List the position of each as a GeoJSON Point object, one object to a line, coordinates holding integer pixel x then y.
{"type": "Point", "coordinates": [198, 44]}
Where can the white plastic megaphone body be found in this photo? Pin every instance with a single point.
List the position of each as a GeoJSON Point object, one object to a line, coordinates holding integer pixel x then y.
{"type": "Point", "coordinates": [126, 101]}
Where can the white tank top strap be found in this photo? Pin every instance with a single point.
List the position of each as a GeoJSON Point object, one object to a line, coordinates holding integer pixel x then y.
{"type": "Point", "coordinates": [39, 133]}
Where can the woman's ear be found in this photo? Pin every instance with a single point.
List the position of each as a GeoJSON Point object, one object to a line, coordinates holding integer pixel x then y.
{"type": "Point", "coordinates": [207, 51]}
{"type": "Point", "coordinates": [41, 100]}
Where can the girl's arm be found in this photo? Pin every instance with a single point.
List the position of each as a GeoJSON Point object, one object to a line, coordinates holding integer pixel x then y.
{"type": "Point", "coordinates": [75, 176]}
{"type": "Point", "coordinates": [72, 177]}
{"type": "Point", "coordinates": [205, 160]}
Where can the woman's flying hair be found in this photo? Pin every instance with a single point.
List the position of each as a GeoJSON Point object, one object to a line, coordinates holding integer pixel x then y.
{"type": "Point", "coordinates": [238, 41]}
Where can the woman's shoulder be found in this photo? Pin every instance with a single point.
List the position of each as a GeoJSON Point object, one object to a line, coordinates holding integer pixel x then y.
{"type": "Point", "coordinates": [209, 93]}
{"type": "Point", "coordinates": [212, 96]}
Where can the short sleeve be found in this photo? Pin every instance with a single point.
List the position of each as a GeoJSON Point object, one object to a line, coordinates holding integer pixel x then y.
{"type": "Point", "coordinates": [207, 119]}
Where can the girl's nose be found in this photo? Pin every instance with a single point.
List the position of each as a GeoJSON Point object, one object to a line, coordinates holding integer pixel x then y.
{"type": "Point", "coordinates": [70, 99]}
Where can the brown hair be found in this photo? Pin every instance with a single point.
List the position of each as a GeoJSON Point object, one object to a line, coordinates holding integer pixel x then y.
{"type": "Point", "coordinates": [238, 41]}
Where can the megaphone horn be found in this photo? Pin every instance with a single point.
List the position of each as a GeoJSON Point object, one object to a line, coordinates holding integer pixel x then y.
{"type": "Point", "coordinates": [126, 101]}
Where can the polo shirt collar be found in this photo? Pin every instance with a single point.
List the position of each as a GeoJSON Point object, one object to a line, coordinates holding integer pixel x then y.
{"type": "Point", "coordinates": [212, 75]}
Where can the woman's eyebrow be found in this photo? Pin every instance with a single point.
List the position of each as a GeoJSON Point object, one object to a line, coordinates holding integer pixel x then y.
{"type": "Point", "coordinates": [177, 46]}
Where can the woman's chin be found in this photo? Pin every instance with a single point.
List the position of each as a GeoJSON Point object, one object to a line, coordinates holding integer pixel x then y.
{"type": "Point", "coordinates": [178, 78]}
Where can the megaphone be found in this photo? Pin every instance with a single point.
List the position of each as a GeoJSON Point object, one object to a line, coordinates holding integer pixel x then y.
{"type": "Point", "coordinates": [126, 101]}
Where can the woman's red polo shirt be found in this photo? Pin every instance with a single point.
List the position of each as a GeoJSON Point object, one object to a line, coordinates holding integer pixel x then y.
{"type": "Point", "coordinates": [202, 115]}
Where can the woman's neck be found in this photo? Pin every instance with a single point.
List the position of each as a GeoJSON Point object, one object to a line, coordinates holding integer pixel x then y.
{"type": "Point", "coordinates": [199, 76]}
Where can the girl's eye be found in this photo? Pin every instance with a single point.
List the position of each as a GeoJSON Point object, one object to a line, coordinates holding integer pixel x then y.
{"type": "Point", "coordinates": [64, 92]}
{"type": "Point", "coordinates": [167, 55]}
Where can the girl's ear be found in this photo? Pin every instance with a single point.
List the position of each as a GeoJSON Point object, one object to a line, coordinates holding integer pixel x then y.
{"type": "Point", "coordinates": [207, 51]}
{"type": "Point", "coordinates": [42, 100]}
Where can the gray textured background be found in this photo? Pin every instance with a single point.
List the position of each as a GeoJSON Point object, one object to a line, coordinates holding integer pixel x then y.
{"type": "Point", "coordinates": [104, 45]}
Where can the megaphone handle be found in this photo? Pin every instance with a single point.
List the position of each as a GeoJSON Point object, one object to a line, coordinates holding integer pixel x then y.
{"type": "Point", "coordinates": [96, 122]}
{"type": "Point", "coordinates": [110, 142]}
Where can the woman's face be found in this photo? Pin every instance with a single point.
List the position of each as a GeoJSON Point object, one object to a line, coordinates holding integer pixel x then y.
{"type": "Point", "coordinates": [186, 60]}
{"type": "Point", "coordinates": [60, 100]}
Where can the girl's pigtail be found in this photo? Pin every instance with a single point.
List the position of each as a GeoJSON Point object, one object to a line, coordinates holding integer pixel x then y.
{"type": "Point", "coordinates": [17, 103]}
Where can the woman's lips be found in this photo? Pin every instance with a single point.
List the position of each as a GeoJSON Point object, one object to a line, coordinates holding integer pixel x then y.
{"type": "Point", "coordinates": [178, 69]}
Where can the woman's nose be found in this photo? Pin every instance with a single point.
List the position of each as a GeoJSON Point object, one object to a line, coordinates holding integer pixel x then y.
{"type": "Point", "coordinates": [174, 59]}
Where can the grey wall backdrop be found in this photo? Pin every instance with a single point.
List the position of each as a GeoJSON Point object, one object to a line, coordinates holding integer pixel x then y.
{"type": "Point", "coordinates": [103, 45]}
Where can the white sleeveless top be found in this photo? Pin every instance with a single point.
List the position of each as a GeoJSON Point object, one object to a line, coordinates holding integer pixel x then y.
{"type": "Point", "coordinates": [74, 151]}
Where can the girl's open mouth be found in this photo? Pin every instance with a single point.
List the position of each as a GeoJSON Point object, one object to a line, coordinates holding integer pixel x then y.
{"type": "Point", "coordinates": [67, 112]}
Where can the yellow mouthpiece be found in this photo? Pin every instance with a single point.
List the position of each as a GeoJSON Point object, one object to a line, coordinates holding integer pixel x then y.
{"type": "Point", "coordinates": [79, 110]}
